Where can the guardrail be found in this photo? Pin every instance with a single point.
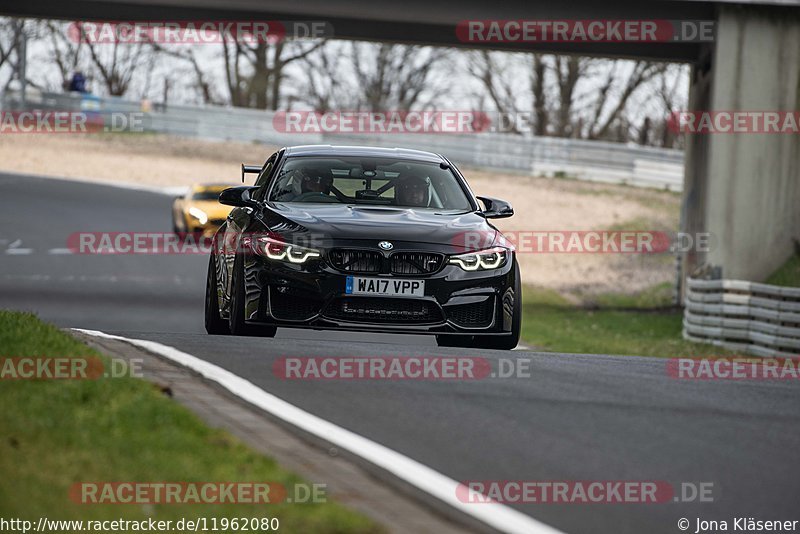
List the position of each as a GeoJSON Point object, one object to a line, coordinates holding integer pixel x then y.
{"type": "Point", "coordinates": [748, 317]}
{"type": "Point", "coordinates": [548, 156]}
{"type": "Point", "coordinates": [596, 161]}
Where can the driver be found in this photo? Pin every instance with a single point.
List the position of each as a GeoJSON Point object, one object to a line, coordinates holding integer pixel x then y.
{"type": "Point", "coordinates": [315, 182]}
{"type": "Point", "coordinates": [412, 191]}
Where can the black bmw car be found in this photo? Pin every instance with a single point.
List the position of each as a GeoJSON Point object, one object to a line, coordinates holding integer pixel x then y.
{"type": "Point", "coordinates": [367, 239]}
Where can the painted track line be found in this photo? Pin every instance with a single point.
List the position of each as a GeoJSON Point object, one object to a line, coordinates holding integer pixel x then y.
{"type": "Point", "coordinates": [424, 478]}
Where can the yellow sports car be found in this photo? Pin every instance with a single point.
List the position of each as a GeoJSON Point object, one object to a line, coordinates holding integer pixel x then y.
{"type": "Point", "coordinates": [199, 210]}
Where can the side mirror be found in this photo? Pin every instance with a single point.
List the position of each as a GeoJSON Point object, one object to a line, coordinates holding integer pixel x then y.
{"type": "Point", "coordinates": [496, 208]}
{"type": "Point", "coordinates": [238, 196]}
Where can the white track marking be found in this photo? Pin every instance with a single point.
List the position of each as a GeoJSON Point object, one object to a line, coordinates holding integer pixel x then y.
{"type": "Point", "coordinates": [14, 249]}
{"type": "Point", "coordinates": [59, 251]}
{"type": "Point", "coordinates": [437, 485]}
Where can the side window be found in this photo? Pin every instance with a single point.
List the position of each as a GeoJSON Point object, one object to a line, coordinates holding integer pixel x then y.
{"type": "Point", "coordinates": [263, 177]}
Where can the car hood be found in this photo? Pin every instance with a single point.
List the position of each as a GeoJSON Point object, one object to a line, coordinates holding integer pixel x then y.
{"type": "Point", "coordinates": [341, 221]}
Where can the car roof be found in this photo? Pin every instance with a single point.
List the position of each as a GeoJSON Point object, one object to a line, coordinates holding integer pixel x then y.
{"type": "Point", "coordinates": [363, 151]}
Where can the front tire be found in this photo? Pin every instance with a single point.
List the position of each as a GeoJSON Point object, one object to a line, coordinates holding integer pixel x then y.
{"type": "Point", "coordinates": [215, 325]}
{"type": "Point", "coordinates": [236, 322]}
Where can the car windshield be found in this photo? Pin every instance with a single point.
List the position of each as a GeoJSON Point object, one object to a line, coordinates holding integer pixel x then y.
{"type": "Point", "coordinates": [371, 181]}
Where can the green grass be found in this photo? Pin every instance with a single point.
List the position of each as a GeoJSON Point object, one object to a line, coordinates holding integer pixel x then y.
{"type": "Point", "coordinates": [657, 296]}
{"type": "Point", "coordinates": [788, 274]}
{"type": "Point", "coordinates": [623, 324]}
{"type": "Point", "coordinates": [56, 433]}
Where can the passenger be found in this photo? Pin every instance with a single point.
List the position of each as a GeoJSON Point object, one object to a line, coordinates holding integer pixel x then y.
{"type": "Point", "coordinates": [412, 191]}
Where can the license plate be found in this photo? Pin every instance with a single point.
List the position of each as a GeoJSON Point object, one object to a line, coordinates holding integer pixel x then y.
{"type": "Point", "coordinates": [384, 287]}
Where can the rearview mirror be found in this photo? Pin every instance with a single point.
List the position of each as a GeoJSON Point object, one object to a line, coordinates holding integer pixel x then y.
{"type": "Point", "coordinates": [496, 208]}
{"type": "Point", "coordinates": [238, 196]}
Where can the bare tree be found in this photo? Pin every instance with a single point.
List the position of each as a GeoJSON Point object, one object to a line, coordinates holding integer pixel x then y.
{"type": "Point", "coordinates": [202, 78]}
{"type": "Point", "coordinates": [113, 64]}
{"type": "Point", "coordinates": [642, 72]}
{"type": "Point", "coordinates": [487, 67]}
{"type": "Point", "coordinates": [395, 77]}
{"type": "Point", "coordinates": [567, 96]}
{"type": "Point", "coordinates": [66, 53]}
{"type": "Point", "coordinates": [255, 73]}
{"type": "Point", "coordinates": [497, 74]}
{"type": "Point", "coordinates": [568, 71]}
{"type": "Point", "coordinates": [13, 33]}
{"type": "Point", "coordinates": [671, 100]}
{"type": "Point", "coordinates": [8, 41]}
{"type": "Point", "coordinates": [537, 81]}
{"type": "Point", "coordinates": [326, 86]}
{"type": "Point", "coordinates": [116, 63]}
{"type": "Point", "coordinates": [550, 93]}
{"type": "Point", "coordinates": [570, 96]}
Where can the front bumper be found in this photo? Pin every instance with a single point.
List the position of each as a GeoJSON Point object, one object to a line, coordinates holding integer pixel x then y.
{"type": "Point", "coordinates": [208, 229]}
{"type": "Point", "coordinates": [313, 296]}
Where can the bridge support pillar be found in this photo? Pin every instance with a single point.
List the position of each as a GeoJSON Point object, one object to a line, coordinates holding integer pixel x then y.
{"type": "Point", "coordinates": [745, 188]}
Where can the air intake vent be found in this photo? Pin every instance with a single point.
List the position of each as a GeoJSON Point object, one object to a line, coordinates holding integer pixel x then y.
{"type": "Point", "coordinates": [356, 261]}
{"type": "Point", "coordinates": [415, 262]}
{"type": "Point", "coordinates": [473, 315]}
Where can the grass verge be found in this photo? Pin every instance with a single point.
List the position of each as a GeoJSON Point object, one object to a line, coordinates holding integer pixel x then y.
{"type": "Point", "coordinates": [788, 274]}
{"type": "Point", "coordinates": [642, 325]}
{"type": "Point", "coordinates": [54, 433]}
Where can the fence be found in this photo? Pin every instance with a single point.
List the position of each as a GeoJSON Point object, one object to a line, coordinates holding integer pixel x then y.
{"type": "Point", "coordinates": [758, 319]}
{"type": "Point", "coordinates": [548, 156]}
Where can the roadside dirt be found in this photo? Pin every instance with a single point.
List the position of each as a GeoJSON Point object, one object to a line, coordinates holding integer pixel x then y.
{"type": "Point", "coordinates": [540, 203]}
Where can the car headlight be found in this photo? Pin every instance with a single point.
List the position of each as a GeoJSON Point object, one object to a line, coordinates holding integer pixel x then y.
{"type": "Point", "coordinates": [482, 260]}
{"type": "Point", "coordinates": [198, 214]}
{"type": "Point", "coordinates": [279, 251]}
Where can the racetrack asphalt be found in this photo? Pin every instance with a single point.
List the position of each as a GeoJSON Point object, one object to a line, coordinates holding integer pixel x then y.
{"type": "Point", "coordinates": [576, 417]}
